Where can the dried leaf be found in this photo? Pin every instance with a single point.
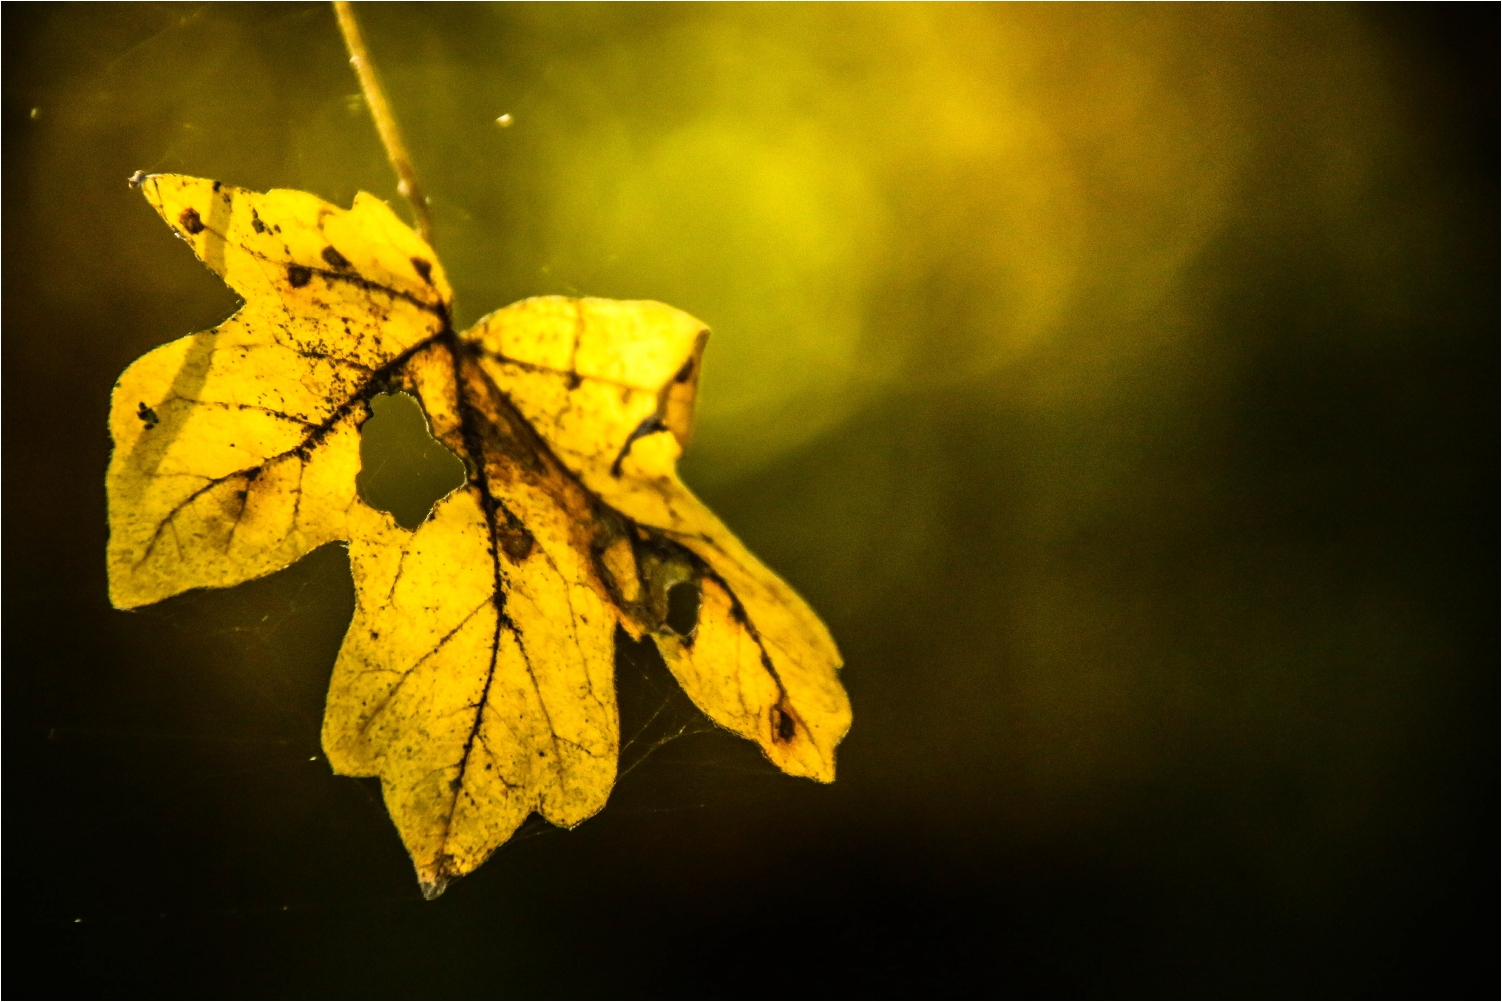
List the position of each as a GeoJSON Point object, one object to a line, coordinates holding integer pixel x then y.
{"type": "Point", "coordinates": [477, 676]}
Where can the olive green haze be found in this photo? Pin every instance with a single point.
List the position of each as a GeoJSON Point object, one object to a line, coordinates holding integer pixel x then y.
{"type": "Point", "coordinates": [1118, 383]}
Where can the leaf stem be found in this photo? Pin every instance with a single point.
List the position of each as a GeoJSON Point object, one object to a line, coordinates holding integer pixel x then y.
{"type": "Point", "coordinates": [391, 134]}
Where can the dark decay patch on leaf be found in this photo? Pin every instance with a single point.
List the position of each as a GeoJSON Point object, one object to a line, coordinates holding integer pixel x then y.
{"type": "Point", "coordinates": [147, 415]}
{"type": "Point", "coordinates": [611, 529]}
{"type": "Point", "coordinates": [255, 222]}
{"type": "Point", "coordinates": [504, 429]}
{"type": "Point", "coordinates": [217, 186]}
{"type": "Point", "coordinates": [189, 221]}
{"type": "Point", "coordinates": [335, 259]}
{"type": "Point", "coordinates": [515, 539]}
{"type": "Point", "coordinates": [299, 276]}
{"type": "Point", "coordinates": [671, 577]}
{"type": "Point", "coordinates": [783, 724]}
{"type": "Point", "coordinates": [424, 268]}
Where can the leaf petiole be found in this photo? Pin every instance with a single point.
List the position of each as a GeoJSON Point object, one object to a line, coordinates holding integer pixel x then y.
{"type": "Point", "coordinates": [391, 133]}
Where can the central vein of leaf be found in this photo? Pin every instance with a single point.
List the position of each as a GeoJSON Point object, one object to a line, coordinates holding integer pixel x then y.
{"type": "Point", "coordinates": [474, 445]}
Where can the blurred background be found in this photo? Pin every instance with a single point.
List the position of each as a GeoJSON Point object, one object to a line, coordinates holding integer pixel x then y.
{"type": "Point", "coordinates": [1119, 383]}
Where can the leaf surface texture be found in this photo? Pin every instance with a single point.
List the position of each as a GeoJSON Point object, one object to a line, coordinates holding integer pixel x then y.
{"type": "Point", "coordinates": [477, 676]}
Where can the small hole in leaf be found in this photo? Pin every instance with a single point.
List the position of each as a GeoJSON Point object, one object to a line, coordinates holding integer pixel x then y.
{"type": "Point", "coordinates": [683, 608]}
{"type": "Point", "coordinates": [404, 470]}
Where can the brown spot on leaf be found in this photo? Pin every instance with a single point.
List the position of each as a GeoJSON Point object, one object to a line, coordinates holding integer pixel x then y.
{"type": "Point", "coordinates": [784, 724]}
{"type": "Point", "coordinates": [335, 259]}
{"type": "Point", "coordinates": [255, 222]}
{"type": "Point", "coordinates": [189, 221]}
{"type": "Point", "coordinates": [516, 541]}
{"type": "Point", "coordinates": [685, 372]}
{"type": "Point", "coordinates": [424, 268]}
{"type": "Point", "coordinates": [147, 415]}
{"type": "Point", "coordinates": [298, 275]}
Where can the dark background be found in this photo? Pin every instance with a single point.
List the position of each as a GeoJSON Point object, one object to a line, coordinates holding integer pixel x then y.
{"type": "Point", "coordinates": [1120, 383]}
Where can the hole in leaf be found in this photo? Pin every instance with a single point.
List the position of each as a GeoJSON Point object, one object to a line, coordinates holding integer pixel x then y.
{"type": "Point", "coordinates": [683, 608]}
{"type": "Point", "coordinates": [404, 470]}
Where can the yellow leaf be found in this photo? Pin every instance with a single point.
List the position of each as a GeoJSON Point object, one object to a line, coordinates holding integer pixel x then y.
{"type": "Point", "coordinates": [477, 676]}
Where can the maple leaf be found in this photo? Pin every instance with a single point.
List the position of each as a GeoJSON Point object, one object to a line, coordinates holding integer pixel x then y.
{"type": "Point", "coordinates": [477, 676]}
